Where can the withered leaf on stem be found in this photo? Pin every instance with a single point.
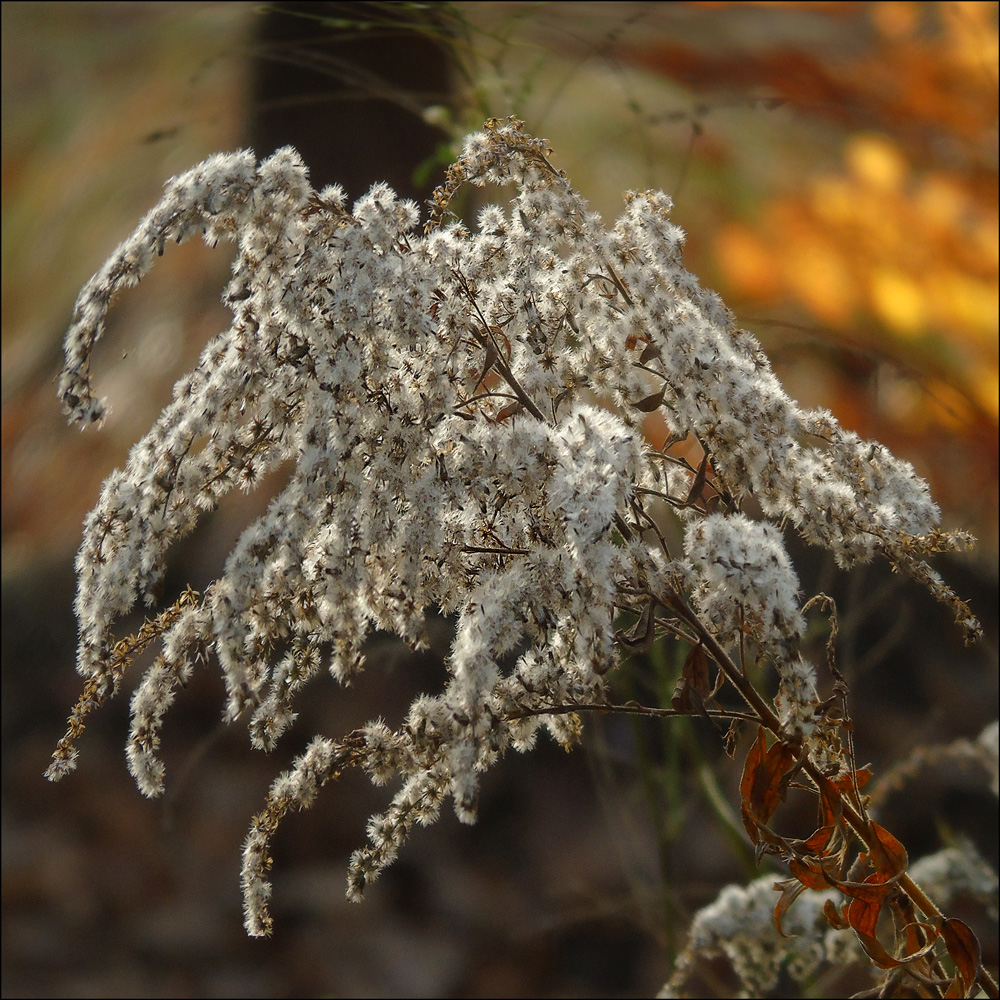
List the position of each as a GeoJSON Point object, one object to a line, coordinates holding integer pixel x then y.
{"type": "Point", "coordinates": [965, 951]}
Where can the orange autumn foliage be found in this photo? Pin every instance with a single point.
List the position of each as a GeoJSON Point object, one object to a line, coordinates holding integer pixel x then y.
{"type": "Point", "coordinates": [887, 251]}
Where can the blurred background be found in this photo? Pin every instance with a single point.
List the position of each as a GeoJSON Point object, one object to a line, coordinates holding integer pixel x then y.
{"type": "Point", "coordinates": [835, 166]}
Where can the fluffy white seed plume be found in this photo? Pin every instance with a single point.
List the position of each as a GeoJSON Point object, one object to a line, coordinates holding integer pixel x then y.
{"type": "Point", "coordinates": [460, 411]}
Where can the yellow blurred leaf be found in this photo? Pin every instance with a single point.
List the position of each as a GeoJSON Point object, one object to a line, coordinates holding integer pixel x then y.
{"type": "Point", "coordinates": [816, 274]}
{"type": "Point", "coordinates": [747, 262]}
{"type": "Point", "coordinates": [876, 161]}
{"type": "Point", "coordinates": [898, 301]}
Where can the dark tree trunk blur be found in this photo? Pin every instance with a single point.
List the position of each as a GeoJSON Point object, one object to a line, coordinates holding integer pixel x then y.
{"type": "Point", "coordinates": [346, 84]}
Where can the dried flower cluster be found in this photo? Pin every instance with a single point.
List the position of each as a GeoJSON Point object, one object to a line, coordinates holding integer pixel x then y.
{"type": "Point", "coordinates": [464, 410]}
{"type": "Point", "coordinates": [739, 924]}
